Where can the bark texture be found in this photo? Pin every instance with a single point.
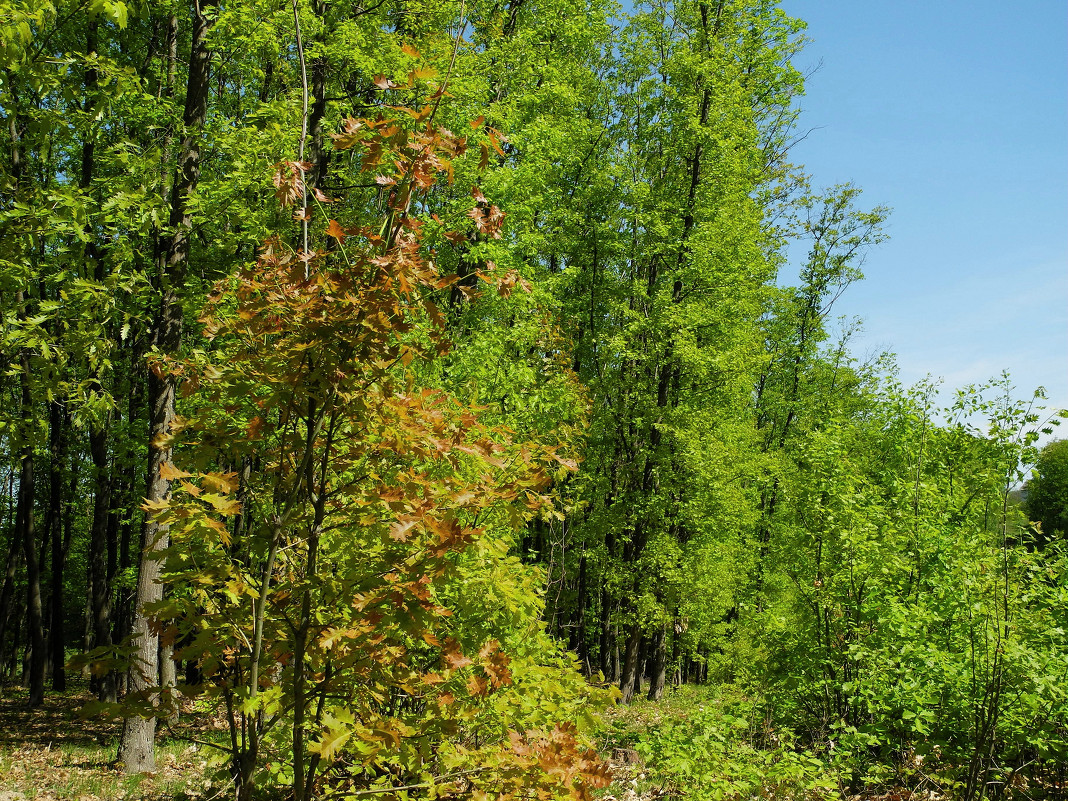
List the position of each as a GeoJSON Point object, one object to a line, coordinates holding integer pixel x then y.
{"type": "Point", "coordinates": [136, 750]}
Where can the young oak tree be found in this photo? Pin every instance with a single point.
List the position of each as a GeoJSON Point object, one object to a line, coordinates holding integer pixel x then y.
{"type": "Point", "coordinates": [331, 500]}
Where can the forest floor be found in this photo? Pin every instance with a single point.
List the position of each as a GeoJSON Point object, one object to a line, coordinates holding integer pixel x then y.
{"type": "Point", "coordinates": [50, 754]}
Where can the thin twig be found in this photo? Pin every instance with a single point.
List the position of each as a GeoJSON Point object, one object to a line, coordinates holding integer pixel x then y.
{"type": "Point", "coordinates": [458, 775]}
{"type": "Point", "coordinates": [452, 62]}
{"type": "Point", "coordinates": [303, 136]}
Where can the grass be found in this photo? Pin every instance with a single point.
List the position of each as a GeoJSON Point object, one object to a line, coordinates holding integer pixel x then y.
{"type": "Point", "coordinates": [50, 754]}
{"type": "Point", "coordinates": [625, 725]}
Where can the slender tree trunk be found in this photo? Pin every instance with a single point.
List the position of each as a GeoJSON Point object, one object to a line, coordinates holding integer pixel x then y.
{"type": "Point", "coordinates": [87, 620]}
{"type": "Point", "coordinates": [137, 747]}
{"type": "Point", "coordinates": [98, 435]}
{"type": "Point", "coordinates": [129, 500]}
{"type": "Point", "coordinates": [300, 701]}
{"type": "Point", "coordinates": [7, 595]}
{"type": "Point", "coordinates": [58, 423]}
{"type": "Point", "coordinates": [98, 555]}
{"type": "Point", "coordinates": [25, 530]}
{"type": "Point", "coordinates": [318, 155]}
{"type": "Point", "coordinates": [579, 623]}
{"type": "Point", "coordinates": [605, 632]}
{"type": "Point", "coordinates": [304, 773]}
{"type": "Point", "coordinates": [676, 651]}
{"type": "Point", "coordinates": [617, 670]}
{"type": "Point", "coordinates": [659, 667]}
{"type": "Point", "coordinates": [14, 661]}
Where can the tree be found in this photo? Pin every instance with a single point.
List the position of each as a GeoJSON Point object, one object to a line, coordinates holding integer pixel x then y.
{"type": "Point", "coordinates": [664, 299]}
{"type": "Point", "coordinates": [137, 748]}
{"type": "Point", "coordinates": [317, 571]}
{"type": "Point", "coordinates": [1046, 501]}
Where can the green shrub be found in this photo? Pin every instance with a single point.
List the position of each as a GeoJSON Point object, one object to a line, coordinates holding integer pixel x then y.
{"type": "Point", "coordinates": [713, 755]}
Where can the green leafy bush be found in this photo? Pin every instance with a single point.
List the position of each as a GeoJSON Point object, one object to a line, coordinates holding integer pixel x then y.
{"type": "Point", "coordinates": [711, 748]}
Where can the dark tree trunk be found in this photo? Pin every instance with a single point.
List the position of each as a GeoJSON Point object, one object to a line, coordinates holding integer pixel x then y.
{"type": "Point", "coordinates": [643, 662]}
{"type": "Point", "coordinates": [630, 682]}
{"type": "Point", "coordinates": [98, 555]}
{"type": "Point", "coordinates": [24, 529]}
{"type": "Point", "coordinates": [130, 500]}
{"type": "Point", "coordinates": [7, 595]}
{"type": "Point", "coordinates": [12, 663]}
{"type": "Point", "coordinates": [659, 664]}
{"type": "Point", "coordinates": [87, 620]}
{"type": "Point", "coordinates": [58, 422]}
{"type": "Point", "coordinates": [100, 577]}
{"type": "Point", "coordinates": [318, 155]}
{"type": "Point", "coordinates": [605, 632]}
{"type": "Point", "coordinates": [676, 651]}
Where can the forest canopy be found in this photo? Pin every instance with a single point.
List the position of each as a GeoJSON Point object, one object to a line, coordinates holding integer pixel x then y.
{"type": "Point", "coordinates": [407, 382]}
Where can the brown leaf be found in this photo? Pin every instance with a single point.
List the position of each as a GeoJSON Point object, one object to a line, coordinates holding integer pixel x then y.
{"type": "Point", "coordinates": [477, 686]}
{"type": "Point", "coordinates": [255, 427]}
{"type": "Point", "coordinates": [456, 660]}
{"type": "Point", "coordinates": [496, 137]}
{"type": "Point", "coordinates": [400, 530]}
{"type": "Point", "coordinates": [336, 231]}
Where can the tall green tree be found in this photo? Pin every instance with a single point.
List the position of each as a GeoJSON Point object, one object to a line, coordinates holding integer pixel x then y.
{"type": "Point", "coordinates": [1046, 501]}
{"type": "Point", "coordinates": [670, 300]}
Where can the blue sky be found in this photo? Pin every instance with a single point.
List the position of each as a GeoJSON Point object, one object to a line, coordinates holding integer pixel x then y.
{"type": "Point", "coordinates": [955, 114]}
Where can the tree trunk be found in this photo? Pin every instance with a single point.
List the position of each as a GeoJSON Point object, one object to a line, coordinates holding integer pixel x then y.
{"type": "Point", "coordinates": [605, 640]}
{"type": "Point", "coordinates": [676, 651]}
{"type": "Point", "coordinates": [138, 736]}
{"type": "Point", "coordinates": [58, 421]}
{"type": "Point", "coordinates": [87, 620]}
{"type": "Point", "coordinates": [98, 555]}
{"type": "Point", "coordinates": [579, 619]}
{"type": "Point", "coordinates": [630, 682]}
{"type": "Point", "coordinates": [659, 666]}
{"type": "Point", "coordinates": [24, 505]}
{"type": "Point", "coordinates": [25, 531]}
{"type": "Point", "coordinates": [7, 594]}
{"type": "Point", "coordinates": [617, 670]}
{"type": "Point", "coordinates": [129, 500]}
{"type": "Point", "coordinates": [318, 155]}
{"type": "Point", "coordinates": [168, 678]}
{"type": "Point", "coordinates": [12, 663]}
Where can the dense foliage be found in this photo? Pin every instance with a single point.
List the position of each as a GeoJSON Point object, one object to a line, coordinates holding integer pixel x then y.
{"type": "Point", "coordinates": [394, 377]}
{"type": "Point", "coordinates": [1046, 502]}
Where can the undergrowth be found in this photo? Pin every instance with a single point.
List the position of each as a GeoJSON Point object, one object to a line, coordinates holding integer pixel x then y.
{"type": "Point", "coordinates": [704, 744]}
